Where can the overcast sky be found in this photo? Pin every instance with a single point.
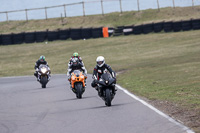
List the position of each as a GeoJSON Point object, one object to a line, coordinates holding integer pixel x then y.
{"type": "Point", "coordinates": [7, 5]}
{"type": "Point", "coordinates": [77, 10]}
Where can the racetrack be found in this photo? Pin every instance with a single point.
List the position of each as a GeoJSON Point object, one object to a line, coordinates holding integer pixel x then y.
{"type": "Point", "coordinates": [27, 108]}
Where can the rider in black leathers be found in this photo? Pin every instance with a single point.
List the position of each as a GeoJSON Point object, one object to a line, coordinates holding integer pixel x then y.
{"type": "Point", "coordinates": [76, 65]}
{"type": "Point", "coordinates": [100, 69]}
{"type": "Point", "coordinates": [38, 63]}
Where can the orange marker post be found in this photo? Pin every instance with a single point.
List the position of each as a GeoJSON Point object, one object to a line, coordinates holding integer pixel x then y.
{"type": "Point", "coordinates": [105, 32]}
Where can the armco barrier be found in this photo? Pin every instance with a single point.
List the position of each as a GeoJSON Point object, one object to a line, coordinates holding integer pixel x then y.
{"type": "Point", "coordinates": [128, 30]}
{"type": "Point", "coordinates": [177, 26]}
{"type": "Point", "coordinates": [64, 34]}
{"type": "Point", "coordinates": [186, 25]}
{"type": "Point", "coordinates": [138, 29]}
{"type": "Point", "coordinates": [75, 34]}
{"type": "Point", "coordinates": [7, 39]}
{"type": "Point", "coordinates": [18, 38]}
{"type": "Point", "coordinates": [86, 33]}
{"type": "Point", "coordinates": [52, 35]}
{"type": "Point", "coordinates": [97, 32]}
{"type": "Point", "coordinates": [168, 26]}
{"type": "Point", "coordinates": [195, 24]}
{"type": "Point", "coordinates": [147, 28]}
{"type": "Point", "coordinates": [40, 36]}
{"type": "Point", "coordinates": [29, 37]}
{"type": "Point", "coordinates": [158, 27]}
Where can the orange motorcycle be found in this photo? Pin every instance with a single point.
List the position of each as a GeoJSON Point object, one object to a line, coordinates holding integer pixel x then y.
{"type": "Point", "coordinates": [78, 83]}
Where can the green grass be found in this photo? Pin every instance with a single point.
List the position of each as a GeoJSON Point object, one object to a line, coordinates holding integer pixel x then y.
{"type": "Point", "coordinates": [157, 66]}
{"type": "Point", "coordinates": [162, 66]}
{"type": "Point", "coordinates": [110, 20]}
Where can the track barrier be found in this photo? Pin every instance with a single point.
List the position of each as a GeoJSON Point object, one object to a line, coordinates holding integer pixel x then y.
{"type": "Point", "coordinates": [99, 32]}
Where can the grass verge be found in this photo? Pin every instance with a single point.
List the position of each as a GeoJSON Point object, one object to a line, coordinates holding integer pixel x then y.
{"type": "Point", "coordinates": [160, 67]}
{"type": "Point", "coordinates": [110, 20]}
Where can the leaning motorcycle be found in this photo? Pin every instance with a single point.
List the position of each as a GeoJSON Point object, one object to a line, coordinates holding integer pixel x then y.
{"type": "Point", "coordinates": [43, 75]}
{"type": "Point", "coordinates": [78, 83]}
{"type": "Point", "coordinates": [106, 88]}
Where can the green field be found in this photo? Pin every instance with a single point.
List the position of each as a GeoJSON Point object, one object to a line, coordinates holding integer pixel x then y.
{"type": "Point", "coordinates": [161, 67]}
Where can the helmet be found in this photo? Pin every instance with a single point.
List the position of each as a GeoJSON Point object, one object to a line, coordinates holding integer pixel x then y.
{"type": "Point", "coordinates": [75, 61]}
{"type": "Point", "coordinates": [75, 54]}
{"type": "Point", "coordinates": [100, 61]}
{"type": "Point", "coordinates": [42, 58]}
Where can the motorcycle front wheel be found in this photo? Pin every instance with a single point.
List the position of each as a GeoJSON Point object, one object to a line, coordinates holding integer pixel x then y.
{"type": "Point", "coordinates": [79, 91]}
{"type": "Point", "coordinates": [108, 98]}
{"type": "Point", "coordinates": [44, 81]}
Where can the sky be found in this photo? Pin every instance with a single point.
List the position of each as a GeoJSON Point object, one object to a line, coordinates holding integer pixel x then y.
{"type": "Point", "coordinates": [77, 10]}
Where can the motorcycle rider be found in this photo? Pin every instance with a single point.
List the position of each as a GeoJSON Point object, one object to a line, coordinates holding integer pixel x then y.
{"type": "Point", "coordinates": [100, 69]}
{"type": "Point", "coordinates": [75, 55]}
{"type": "Point", "coordinates": [40, 61]}
{"type": "Point", "coordinates": [75, 65]}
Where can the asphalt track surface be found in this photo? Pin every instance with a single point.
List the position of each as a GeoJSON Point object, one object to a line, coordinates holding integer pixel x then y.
{"type": "Point", "coordinates": [25, 107]}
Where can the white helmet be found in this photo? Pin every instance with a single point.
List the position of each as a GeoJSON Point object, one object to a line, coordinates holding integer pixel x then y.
{"type": "Point", "coordinates": [100, 61]}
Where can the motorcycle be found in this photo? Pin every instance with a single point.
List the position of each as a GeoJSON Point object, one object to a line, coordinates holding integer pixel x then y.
{"type": "Point", "coordinates": [106, 88]}
{"type": "Point", "coordinates": [43, 75]}
{"type": "Point", "coordinates": [78, 83]}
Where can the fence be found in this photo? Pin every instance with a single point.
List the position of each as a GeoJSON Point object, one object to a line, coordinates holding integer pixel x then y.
{"type": "Point", "coordinates": [87, 33]}
{"type": "Point", "coordinates": [90, 7]}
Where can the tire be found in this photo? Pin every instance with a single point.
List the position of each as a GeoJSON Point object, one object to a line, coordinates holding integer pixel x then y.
{"type": "Point", "coordinates": [195, 24]}
{"type": "Point", "coordinates": [186, 25]}
{"type": "Point", "coordinates": [108, 98]}
{"type": "Point", "coordinates": [44, 81]}
{"type": "Point", "coordinates": [7, 39]}
{"type": "Point", "coordinates": [177, 26]}
{"type": "Point", "coordinates": [79, 90]}
{"type": "Point", "coordinates": [168, 26]}
{"type": "Point", "coordinates": [52, 35]}
{"type": "Point", "coordinates": [148, 28]}
{"type": "Point", "coordinates": [29, 37]}
{"type": "Point", "coordinates": [0, 40]}
{"type": "Point", "coordinates": [18, 38]}
{"type": "Point", "coordinates": [97, 32]}
{"type": "Point", "coordinates": [40, 36]}
{"type": "Point", "coordinates": [43, 85]}
{"type": "Point", "coordinates": [138, 29]}
{"type": "Point", "coordinates": [110, 31]}
{"type": "Point", "coordinates": [158, 27]}
{"type": "Point", "coordinates": [75, 34]}
{"type": "Point", "coordinates": [86, 33]}
{"type": "Point", "coordinates": [64, 34]}
{"type": "Point", "coordinates": [128, 30]}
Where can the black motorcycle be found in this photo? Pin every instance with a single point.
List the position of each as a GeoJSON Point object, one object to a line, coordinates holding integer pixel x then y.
{"type": "Point", "coordinates": [43, 75]}
{"type": "Point", "coordinates": [106, 88]}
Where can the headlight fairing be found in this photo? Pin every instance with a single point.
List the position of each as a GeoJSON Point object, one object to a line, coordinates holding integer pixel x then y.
{"type": "Point", "coordinates": [43, 70]}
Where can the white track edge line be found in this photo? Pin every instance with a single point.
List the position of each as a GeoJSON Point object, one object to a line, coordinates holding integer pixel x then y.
{"type": "Point", "coordinates": [156, 110]}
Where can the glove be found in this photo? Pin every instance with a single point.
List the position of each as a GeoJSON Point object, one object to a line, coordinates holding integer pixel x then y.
{"type": "Point", "coordinates": [69, 78]}
{"type": "Point", "coordinates": [96, 81]}
{"type": "Point", "coordinates": [85, 75]}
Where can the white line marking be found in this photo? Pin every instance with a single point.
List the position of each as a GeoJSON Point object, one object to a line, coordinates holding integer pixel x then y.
{"type": "Point", "coordinates": [156, 110]}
